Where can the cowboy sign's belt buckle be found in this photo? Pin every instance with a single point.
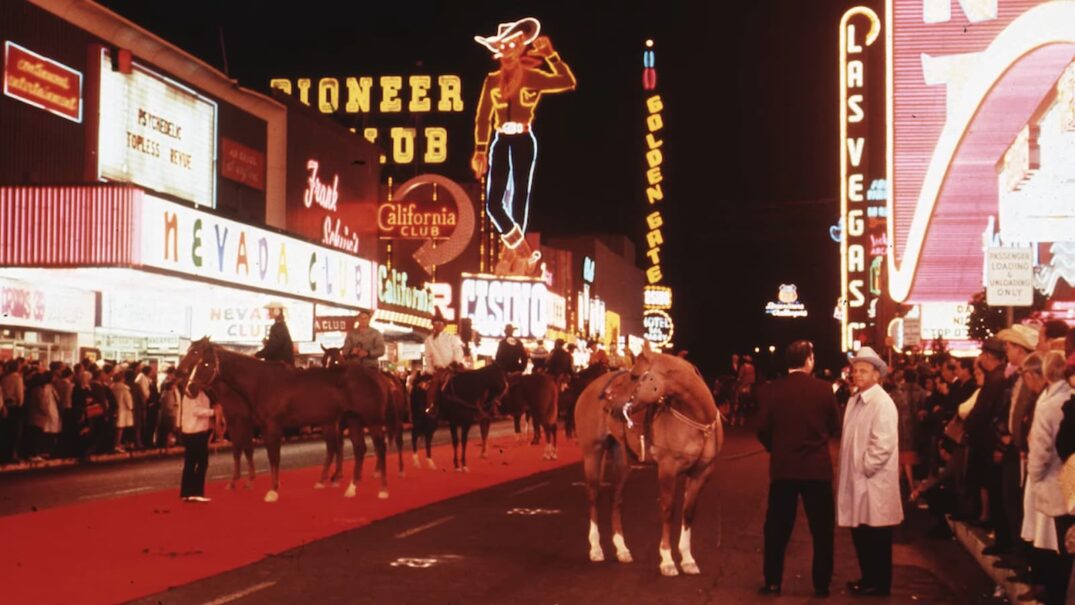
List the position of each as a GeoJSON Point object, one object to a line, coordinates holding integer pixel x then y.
{"type": "Point", "coordinates": [513, 128]}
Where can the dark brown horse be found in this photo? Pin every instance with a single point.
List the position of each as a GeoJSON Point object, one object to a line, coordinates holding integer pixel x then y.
{"type": "Point", "coordinates": [570, 395]}
{"type": "Point", "coordinates": [423, 421]}
{"type": "Point", "coordinates": [282, 397]}
{"type": "Point", "coordinates": [469, 398]}
{"type": "Point", "coordinates": [661, 412]}
{"type": "Point", "coordinates": [397, 401]}
{"type": "Point", "coordinates": [536, 396]}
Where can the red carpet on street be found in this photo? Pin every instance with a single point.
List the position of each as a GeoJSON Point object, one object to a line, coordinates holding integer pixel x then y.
{"type": "Point", "coordinates": [113, 550]}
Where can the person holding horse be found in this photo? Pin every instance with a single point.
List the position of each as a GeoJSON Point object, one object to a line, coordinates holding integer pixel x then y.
{"type": "Point", "coordinates": [511, 355]}
{"type": "Point", "coordinates": [196, 414]}
{"type": "Point", "coordinates": [868, 490]}
{"type": "Point", "coordinates": [798, 418]}
{"type": "Point", "coordinates": [364, 343]}
{"type": "Point", "coordinates": [278, 346]}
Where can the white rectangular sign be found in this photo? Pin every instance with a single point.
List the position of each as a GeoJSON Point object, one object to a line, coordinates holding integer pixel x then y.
{"type": "Point", "coordinates": [947, 320]}
{"type": "Point", "coordinates": [156, 133]}
{"type": "Point", "coordinates": [1009, 277]}
{"type": "Point", "coordinates": [145, 310]}
{"type": "Point", "coordinates": [245, 320]}
{"type": "Point", "coordinates": [491, 303]}
{"type": "Point", "coordinates": [45, 306]}
{"type": "Point", "coordinates": [183, 240]}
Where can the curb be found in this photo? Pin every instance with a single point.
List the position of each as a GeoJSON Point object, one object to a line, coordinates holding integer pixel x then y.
{"type": "Point", "coordinates": [974, 542]}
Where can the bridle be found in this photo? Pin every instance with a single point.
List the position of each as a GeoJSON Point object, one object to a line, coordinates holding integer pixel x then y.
{"type": "Point", "coordinates": [705, 428]}
{"type": "Point", "coordinates": [214, 370]}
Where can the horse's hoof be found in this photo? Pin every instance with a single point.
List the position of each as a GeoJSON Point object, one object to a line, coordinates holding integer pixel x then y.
{"type": "Point", "coordinates": [624, 556]}
{"type": "Point", "coordinates": [432, 465]}
{"type": "Point", "coordinates": [351, 492]}
{"type": "Point", "coordinates": [669, 570]}
{"type": "Point", "coordinates": [248, 485]}
{"type": "Point", "coordinates": [417, 462]}
{"type": "Point", "coordinates": [272, 496]}
{"type": "Point", "coordinates": [383, 494]}
{"type": "Point", "coordinates": [230, 486]}
{"type": "Point", "coordinates": [334, 483]}
{"type": "Point", "coordinates": [553, 456]}
{"type": "Point", "coordinates": [319, 485]}
{"type": "Point", "coordinates": [690, 568]}
{"type": "Point", "coordinates": [597, 555]}
{"type": "Point", "coordinates": [465, 469]}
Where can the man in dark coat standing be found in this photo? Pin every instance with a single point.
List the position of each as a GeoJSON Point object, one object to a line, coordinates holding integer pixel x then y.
{"type": "Point", "coordinates": [798, 418]}
{"type": "Point", "coordinates": [278, 346]}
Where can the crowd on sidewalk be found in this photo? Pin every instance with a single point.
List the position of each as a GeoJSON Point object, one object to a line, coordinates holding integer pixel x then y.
{"type": "Point", "coordinates": [59, 411]}
{"type": "Point", "coordinates": [987, 440]}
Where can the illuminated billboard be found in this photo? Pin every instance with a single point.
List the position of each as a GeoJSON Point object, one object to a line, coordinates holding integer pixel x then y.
{"type": "Point", "coordinates": [863, 175]}
{"type": "Point", "coordinates": [981, 141]}
{"type": "Point", "coordinates": [42, 82]}
{"type": "Point", "coordinates": [658, 297]}
{"type": "Point", "coordinates": [156, 132]}
{"type": "Point", "coordinates": [492, 302]}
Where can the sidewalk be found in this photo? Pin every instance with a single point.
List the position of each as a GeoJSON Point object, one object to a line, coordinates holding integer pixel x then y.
{"type": "Point", "coordinates": [974, 540]}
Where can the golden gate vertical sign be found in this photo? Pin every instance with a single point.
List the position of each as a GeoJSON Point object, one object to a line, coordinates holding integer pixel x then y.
{"type": "Point", "coordinates": [656, 320]}
{"type": "Point", "coordinates": [863, 178]}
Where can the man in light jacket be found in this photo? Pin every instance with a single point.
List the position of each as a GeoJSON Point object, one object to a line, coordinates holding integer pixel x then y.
{"type": "Point", "coordinates": [196, 414]}
{"type": "Point", "coordinates": [868, 490]}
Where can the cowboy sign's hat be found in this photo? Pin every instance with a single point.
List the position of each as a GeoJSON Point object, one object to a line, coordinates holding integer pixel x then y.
{"type": "Point", "coordinates": [526, 28]}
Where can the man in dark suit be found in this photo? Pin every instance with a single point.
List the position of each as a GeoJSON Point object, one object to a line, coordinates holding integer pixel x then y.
{"type": "Point", "coordinates": [798, 418]}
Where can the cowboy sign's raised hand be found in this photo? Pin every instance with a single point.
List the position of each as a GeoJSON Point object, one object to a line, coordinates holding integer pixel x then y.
{"type": "Point", "coordinates": [542, 47]}
{"type": "Point", "coordinates": [479, 163]}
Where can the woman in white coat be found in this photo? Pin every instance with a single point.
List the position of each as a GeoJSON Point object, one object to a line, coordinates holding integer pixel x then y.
{"type": "Point", "coordinates": [1043, 500]}
{"type": "Point", "coordinates": [868, 490]}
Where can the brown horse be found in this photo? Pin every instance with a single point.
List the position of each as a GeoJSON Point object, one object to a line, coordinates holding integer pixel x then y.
{"type": "Point", "coordinates": [469, 398]}
{"type": "Point", "coordinates": [397, 402]}
{"type": "Point", "coordinates": [661, 412]}
{"type": "Point", "coordinates": [283, 397]}
{"type": "Point", "coordinates": [535, 395]}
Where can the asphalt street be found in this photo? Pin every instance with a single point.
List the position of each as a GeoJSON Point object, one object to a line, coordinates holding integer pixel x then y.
{"type": "Point", "coordinates": [525, 542]}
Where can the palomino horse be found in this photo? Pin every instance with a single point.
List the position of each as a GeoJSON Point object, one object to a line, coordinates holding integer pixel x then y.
{"type": "Point", "coordinates": [466, 399]}
{"type": "Point", "coordinates": [662, 412]}
{"type": "Point", "coordinates": [570, 396]}
{"type": "Point", "coordinates": [397, 400]}
{"type": "Point", "coordinates": [535, 395]}
{"type": "Point", "coordinates": [283, 397]}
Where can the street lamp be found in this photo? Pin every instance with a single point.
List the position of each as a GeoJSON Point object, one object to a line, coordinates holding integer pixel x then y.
{"type": "Point", "coordinates": [772, 349]}
{"type": "Point", "coordinates": [757, 350]}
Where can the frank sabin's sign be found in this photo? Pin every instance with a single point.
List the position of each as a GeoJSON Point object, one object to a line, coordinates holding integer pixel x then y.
{"type": "Point", "coordinates": [157, 133]}
{"type": "Point", "coordinates": [491, 303]}
{"type": "Point", "coordinates": [322, 194]}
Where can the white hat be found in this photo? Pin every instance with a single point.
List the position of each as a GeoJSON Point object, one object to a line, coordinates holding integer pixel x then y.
{"type": "Point", "coordinates": [275, 305]}
{"type": "Point", "coordinates": [527, 27]}
{"type": "Point", "coordinates": [1020, 335]}
{"type": "Point", "coordinates": [868, 355]}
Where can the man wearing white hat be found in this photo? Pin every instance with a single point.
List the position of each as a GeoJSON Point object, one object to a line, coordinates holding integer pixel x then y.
{"type": "Point", "coordinates": [1019, 342]}
{"type": "Point", "coordinates": [868, 489]}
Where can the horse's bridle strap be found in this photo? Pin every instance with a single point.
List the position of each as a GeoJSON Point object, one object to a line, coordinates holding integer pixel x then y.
{"type": "Point", "coordinates": [706, 429]}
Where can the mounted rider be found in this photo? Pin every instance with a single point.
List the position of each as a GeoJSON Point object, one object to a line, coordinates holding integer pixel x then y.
{"type": "Point", "coordinates": [511, 355]}
{"type": "Point", "coordinates": [278, 345]}
{"type": "Point", "coordinates": [560, 365]}
{"type": "Point", "coordinates": [364, 343]}
{"type": "Point", "coordinates": [443, 356]}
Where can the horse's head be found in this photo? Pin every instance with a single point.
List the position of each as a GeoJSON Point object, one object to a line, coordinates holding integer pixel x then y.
{"type": "Point", "coordinates": [331, 357]}
{"type": "Point", "coordinates": [649, 384]}
{"type": "Point", "coordinates": [200, 365]}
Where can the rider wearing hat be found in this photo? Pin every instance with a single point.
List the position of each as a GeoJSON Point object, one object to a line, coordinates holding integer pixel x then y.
{"type": "Point", "coordinates": [443, 355]}
{"type": "Point", "coordinates": [511, 355]}
{"type": "Point", "coordinates": [364, 343]}
{"type": "Point", "coordinates": [278, 346]}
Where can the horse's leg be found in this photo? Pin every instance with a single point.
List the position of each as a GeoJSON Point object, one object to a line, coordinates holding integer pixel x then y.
{"type": "Point", "coordinates": [358, 446]}
{"type": "Point", "coordinates": [331, 444]}
{"type": "Point", "coordinates": [483, 429]}
{"type": "Point", "coordinates": [429, 444]}
{"type": "Point", "coordinates": [617, 455]}
{"type": "Point", "coordinates": [337, 474]}
{"type": "Point", "coordinates": [273, 437]}
{"type": "Point", "coordinates": [518, 419]}
{"type": "Point", "coordinates": [465, 429]}
{"type": "Point", "coordinates": [251, 469]}
{"type": "Point", "coordinates": [380, 445]}
{"type": "Point", "coordinates": [237, 463]}
{"type": "Point", "coordinates": [399, 441]}
{"type": "Point", "coordinates": [591, 465]}
{"type": "Point", "coordinates": [454, 428]}
{"type": "Point", "coordinates": [690, 504]}
{"type": "Point", "coordinates": [666, 480]}
{"type": "Point", "coordinates": [416, 430]}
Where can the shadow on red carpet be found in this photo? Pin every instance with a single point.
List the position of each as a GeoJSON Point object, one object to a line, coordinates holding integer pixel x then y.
{"type": "Point", "coordinates": [108, 551]}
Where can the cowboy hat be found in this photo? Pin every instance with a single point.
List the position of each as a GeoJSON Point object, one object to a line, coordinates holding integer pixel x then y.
{"type": "Point", "coordinates": [438, 316]}
{"type": "Point", "coordinates": [1020, 335]}
{"type": "Point", "coordinates": [868, 355]}
{"type": "Point", "coordinates": [527, 27]}
{"type": "Point", "coordinates": [275, 305]}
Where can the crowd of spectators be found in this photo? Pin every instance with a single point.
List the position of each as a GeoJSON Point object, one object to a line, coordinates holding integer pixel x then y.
{"type": "Point", "coordinates": [52, 410]}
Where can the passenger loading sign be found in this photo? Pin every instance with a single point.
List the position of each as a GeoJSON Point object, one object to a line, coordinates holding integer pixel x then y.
{"type": "Point", "coordinates": [1009, 277]}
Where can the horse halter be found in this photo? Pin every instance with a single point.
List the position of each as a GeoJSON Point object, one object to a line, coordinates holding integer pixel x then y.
{"type": "Point", "coordinates": [633, 399]}
{"type": "Point", "coordinates": [214, 369]}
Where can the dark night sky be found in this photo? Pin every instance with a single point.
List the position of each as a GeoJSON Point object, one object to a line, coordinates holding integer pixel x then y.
{"type": "Point", "coordinates": [750, 145]}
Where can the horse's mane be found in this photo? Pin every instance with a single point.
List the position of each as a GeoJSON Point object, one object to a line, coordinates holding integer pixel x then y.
{"type": "Point", "coordinates": [681, 379]}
